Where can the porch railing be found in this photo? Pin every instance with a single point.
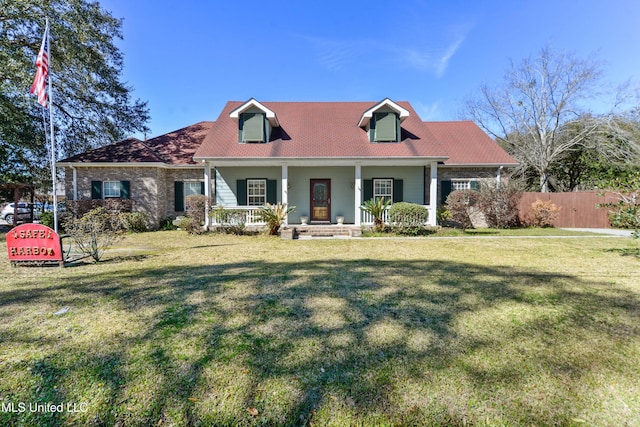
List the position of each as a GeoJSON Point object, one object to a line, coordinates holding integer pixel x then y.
{"type": "Point", "coordinates": [235, 215]}
{"type": "Point", "coordinates": [367, 219]}
{"type": "Point", "coordinates": [248, 215]}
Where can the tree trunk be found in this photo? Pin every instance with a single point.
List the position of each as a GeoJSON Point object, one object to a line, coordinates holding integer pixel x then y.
{"type": "Point", "coordinates": [544, 182]}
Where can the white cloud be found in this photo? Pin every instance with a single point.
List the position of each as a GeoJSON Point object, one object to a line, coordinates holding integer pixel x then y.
{"type": "Point", "coordinates": [337, 54]}
{"type": "Point", "coordinates": [436, 60]}
{"type": "Point", "coordinates": [428, 112]}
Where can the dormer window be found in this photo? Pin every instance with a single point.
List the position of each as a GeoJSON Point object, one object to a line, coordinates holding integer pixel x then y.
{"type": "Point", "coordinates": [255, 122]}
{"type": "Point", "coordinates": [252, 127]}
{"type": "Point", "coordinates": [383, 121]}
{"type": "Point", "coordinates": [385, 127]}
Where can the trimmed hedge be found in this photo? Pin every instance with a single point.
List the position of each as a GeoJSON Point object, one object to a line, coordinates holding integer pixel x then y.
{"type": "Point", "coordinates": [408, 218]}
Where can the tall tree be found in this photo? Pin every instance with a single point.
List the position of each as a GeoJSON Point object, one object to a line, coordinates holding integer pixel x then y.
{"type": "Point", "coordinates": [609, 150]}
{"type": "Point", "coordinates": [92, 105]}
{"type": "Point", "coordinates": [537, 101]}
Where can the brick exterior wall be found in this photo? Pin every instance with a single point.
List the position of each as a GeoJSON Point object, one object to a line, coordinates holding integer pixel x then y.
{"type": "Point", "coordinates": [446, 174]}
{"type": "Point", "coordinates": [151, 188]}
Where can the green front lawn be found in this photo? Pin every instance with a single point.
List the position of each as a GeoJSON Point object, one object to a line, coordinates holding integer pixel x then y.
{"type": "Point", "coordinates": [221, 330]}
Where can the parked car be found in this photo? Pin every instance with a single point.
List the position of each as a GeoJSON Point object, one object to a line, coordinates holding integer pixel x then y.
{"type": "Point", "coordinates": [24, 212]}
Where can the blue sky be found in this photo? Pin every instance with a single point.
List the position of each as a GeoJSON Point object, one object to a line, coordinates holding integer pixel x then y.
{"type": "Point", "coordinates": [188, 58]}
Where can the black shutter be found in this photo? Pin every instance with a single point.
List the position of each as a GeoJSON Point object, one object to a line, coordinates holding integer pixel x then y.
{"type": "Point", "coordinates": [397, 190]}
{"type": "Point", "coordinates": [202, 187]}
{"type": "Point", "coordinates": [241, 192]}
{"type": "Point", "coordinates": [398, 129]}
{"type": "Point", "coordinates": [367, 190]}
{"type": "Point", "coordinates": [372, 128]}
{"type": "Point", "coordinates": [179, 196]}
{"type": "Point", "coordinates": [96, 190]}
{"type": "Point", "coordinates": [125, 190]}
{"type": "Point", "coordinates": [272, 191]}
{"type": "Point", "coordinates": [445, 191]}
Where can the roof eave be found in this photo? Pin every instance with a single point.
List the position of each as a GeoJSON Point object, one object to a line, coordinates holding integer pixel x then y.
{"type": "Point", "coordinates": [271, 116]}
{"type": "Point", "coordinates": [127, 165]}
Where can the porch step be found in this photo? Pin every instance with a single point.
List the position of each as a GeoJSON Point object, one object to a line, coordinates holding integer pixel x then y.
{"type": "Point", "coordinates": [311, 231]}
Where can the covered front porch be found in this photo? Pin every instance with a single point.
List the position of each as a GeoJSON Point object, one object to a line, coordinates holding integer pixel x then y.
{"type": "Point", "coordinates": [323, 193]}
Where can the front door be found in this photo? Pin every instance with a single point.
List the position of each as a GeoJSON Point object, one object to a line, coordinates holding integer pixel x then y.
{"type": "Point", "coordinates": [321, 200]}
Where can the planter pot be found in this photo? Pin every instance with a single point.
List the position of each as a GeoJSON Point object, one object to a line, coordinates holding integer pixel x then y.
{"type": "Point", "coordinates": [340, 220]}
{"type": "Point", "coordinates": [304, 220]}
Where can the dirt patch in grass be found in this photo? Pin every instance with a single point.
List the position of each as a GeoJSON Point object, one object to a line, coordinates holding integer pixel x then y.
{"type": "Point", "coordinates": [224, 330]}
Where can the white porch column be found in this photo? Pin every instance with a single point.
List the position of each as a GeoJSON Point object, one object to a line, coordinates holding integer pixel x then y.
{"type": "Point", "coordinates": [358, 193]}
{"type": "Point", "coordinates": [433, 194]}
{"type": "Point", "coordinates": [207, 192]}
{"type": "Point", "coordinates": [285, 189]}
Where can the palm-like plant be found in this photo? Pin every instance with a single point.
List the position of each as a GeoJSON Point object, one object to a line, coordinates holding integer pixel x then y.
{"type": "Point", "coordinates": [376, 207]}
{"type": "Point", "coordinates": [274, 215]}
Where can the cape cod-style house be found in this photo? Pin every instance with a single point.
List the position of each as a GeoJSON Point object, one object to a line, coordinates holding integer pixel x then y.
{"type": "Point", "coordinates": [325, 158]}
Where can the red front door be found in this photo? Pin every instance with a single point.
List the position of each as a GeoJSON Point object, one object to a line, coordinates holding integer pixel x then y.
{"type": "Point", "coordinates": [321, 200]}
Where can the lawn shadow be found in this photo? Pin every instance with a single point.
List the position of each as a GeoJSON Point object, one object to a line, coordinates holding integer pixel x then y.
{"type": "Point", "coordinates": [374, 340]}
{"type": "Point", "coordinates": [632, 252]}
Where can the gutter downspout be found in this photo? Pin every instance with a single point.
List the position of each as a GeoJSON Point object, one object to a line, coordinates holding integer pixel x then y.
{"type": "Point", "coordinates": [75, 183]}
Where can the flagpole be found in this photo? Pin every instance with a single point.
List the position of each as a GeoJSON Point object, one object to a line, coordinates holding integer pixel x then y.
{"type": "Point", "coordinates": [52, 138]}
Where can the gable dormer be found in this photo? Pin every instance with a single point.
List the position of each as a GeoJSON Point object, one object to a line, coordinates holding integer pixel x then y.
{"type": "Point", "coordinates": [383, 121]}
{"type": "Point", "coordinates": [255, 122]}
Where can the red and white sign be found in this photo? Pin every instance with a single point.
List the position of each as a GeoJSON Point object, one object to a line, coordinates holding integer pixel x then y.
{"type": "Point", "coordinates": [33, 242]}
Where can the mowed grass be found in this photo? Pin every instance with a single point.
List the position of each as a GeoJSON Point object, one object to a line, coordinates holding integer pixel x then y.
{"type": "Point", "coordinates": [215, 330]}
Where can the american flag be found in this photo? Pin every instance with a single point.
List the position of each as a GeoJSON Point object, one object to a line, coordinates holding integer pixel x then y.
{"type": "Point", "coordinates": [38, 88]}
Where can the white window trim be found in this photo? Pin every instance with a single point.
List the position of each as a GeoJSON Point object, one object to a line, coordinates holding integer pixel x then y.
{"type": "Point", "coordinates": [263, 197]}
{"type": "Point", "coordinates": [387, 197]}
{"type": "Point", "coordinates": [460, 184]}
{"type": "Point", "coordinates": [104, 190]}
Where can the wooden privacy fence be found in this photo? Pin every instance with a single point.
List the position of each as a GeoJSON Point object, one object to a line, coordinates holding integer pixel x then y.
{"type": "Point", "coordinates": [577, 209]}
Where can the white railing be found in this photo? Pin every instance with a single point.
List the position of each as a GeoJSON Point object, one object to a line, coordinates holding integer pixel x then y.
{"type": "Point", "coordinates": [235, 215]}
{"type": "Point", "coordinates": [367, 219]}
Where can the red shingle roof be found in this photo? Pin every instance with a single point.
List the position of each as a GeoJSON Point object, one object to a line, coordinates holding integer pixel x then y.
{"type": "Point", "coordinates": [174, 148]}
{"type": "Point", "coordinates": [308, 130]}
{"type": "Point", "coordinates": [466, 144]}
{"type": "Point", "coordinates": [318, 129]}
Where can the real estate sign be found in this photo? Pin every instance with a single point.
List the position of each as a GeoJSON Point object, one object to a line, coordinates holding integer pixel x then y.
{"type": "Point", "coordinates": [34, 242]}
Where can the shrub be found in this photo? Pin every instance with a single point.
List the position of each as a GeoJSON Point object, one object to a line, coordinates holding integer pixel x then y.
{"type": "Point", "coordinates": [376, 209]}
{"type": "Point", "coordinates": [167, 224]}
{"type": "Point", "coordinates": [274, 215]}
{"type": "Point", "coordinates": [196, 207]}
{"type": "Point", "coordinates": [542, 213]}
{"type": "Point", "coordinates": [78, 208]}
{"type": "Point", "coordinates": [499, 203]}
{"type": "Point", "coordinates": [47, 219]}
{"type": "Point", "coordinates": [408, 218]}
{"type": "Point", "coordinates": [191, 225]}
{"type": "Point", "coordinates": [459, 204]}
{"type": "Point", "coordinates": [94, 232]}
{"type": "Point", "coordinates": [134, 222]}
{"type": "Point", "coordinates": [624, 215]}
{"type": "Point", "coordinates": [442, 215]}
